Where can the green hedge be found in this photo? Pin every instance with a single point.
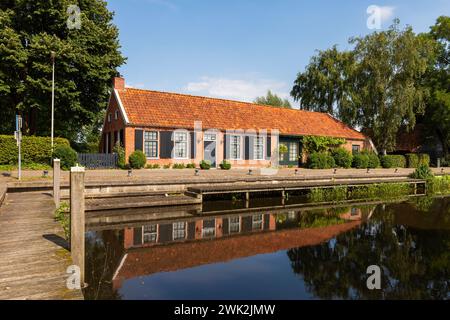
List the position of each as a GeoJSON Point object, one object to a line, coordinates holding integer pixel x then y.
{"type": "Point", "coordinates": [67, 155]}
{"type": "Point", "coordinates": [34, 149]}
{"type": "Point", "coordinates": [374, 160]}
{"type": "Point", "coordinates": [320, 160]}
{"type": "Point", "coordinates": [393, 161]}
{"type": "Point", "coordinates": [424, 159]}
{"type": "Point", "coordinates": [342, 158]}
{"type": "Point", "coordinates": [360, 161]}
{"type": "Point", "coordinates": [412, 160]}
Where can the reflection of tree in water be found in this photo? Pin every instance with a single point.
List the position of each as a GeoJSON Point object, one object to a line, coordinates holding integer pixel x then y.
{"type": "Point", "coordinates": [415, 263]}
{"type": "Point", "coordinates": [103, 254]}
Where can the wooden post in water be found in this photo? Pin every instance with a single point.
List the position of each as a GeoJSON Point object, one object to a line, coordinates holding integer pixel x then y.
{"type": "Point", "coordinates": [56, 181]}
{"type": "Point", "coordinates": [77, 219]}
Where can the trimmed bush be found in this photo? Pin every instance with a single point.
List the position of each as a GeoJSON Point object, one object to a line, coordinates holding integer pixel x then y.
{"type": "Point", "coordinates": [179, 166]}
{"type": "Point", "coordinates": [190, 166]}
{"type": "Point", "coordinates": [166, 166]}
{"type": "Point", "coordinates": [374, 160]}
{"type": "Point", "coordinates": [205, 164]}
{"type": "Point", "coordinates": [422, 172]}
{"type": "Point", "coordinates": [412, 160]}
{"type": "Point", "coordinates": [393, 161]}
{"type": "Point", "coordinates": [34, 149]}
{"type": "Point", "coordinates": [225, 165]}
{"type": "Point", "coordinates": [342, 158]}
{"type": "Point", "coordinates": [67, 155]}
{"type": "Point", "coordinates": [137, 159]}
{"type": "Point", "coordinates": [320, 160]}
{"type": "Point", "coordinates": [424, 159]}
{"type": "Point", "coordinates": [360, 161]}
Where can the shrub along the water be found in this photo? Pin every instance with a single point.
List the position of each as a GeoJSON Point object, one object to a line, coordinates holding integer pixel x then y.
{"type": "Point", "coordinates": [67, 155]}
{"type": "Point", "coordinates": [335, 194]}
{"type": "Point", "coordinates": [360, 161]}
{"type": "Point", "coordinates": [422, 172]}
{"type": "Point", "coordinates": [319, 218]}
{"type": "Point", "coordinates": [137, 159]}
{"type": "Point", "coordinates": [380, 191]}
{"type": "Point", "coordinates": [342, 157]}
{"type": "Point", "coordinates": [393, 161]}
{"type": "Point", "coordinates": [34, 149]}
{"type": "Point", "coordinates": [439, 185]}
{"type": "Point", "coordinates": [320, 160]}
{"type": "Point", "coordinates": [62, 216]}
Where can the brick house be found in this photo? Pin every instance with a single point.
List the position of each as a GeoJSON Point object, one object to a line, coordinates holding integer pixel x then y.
{"type": "Point", "coordinates": [176, 128]}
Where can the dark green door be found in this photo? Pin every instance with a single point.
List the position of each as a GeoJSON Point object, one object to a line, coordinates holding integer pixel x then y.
{"type": "Point", "coordinates": [291, 157]}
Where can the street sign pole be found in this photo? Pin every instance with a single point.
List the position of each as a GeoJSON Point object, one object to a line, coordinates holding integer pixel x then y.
{"type": "Point", "coordinates": [18, 135]}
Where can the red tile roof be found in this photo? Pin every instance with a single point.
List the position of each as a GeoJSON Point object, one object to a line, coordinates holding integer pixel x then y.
{"type": "Point", "coordinates": [172, 110]}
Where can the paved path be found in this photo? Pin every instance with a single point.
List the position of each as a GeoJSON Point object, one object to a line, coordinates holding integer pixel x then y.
{"type": "Point", "coordinates": [32, 260]}
{"type": "Point", "coordinates": [188, 174]}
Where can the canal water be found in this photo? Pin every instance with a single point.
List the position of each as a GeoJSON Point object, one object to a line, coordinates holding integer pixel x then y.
{"type": "Point", "coordinates": [272, 252]}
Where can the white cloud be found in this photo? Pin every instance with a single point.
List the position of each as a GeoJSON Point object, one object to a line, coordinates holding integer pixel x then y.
{"type": "Point", "coordinates": [236, 89]}
{"type": "Point", "coordinates": [386, 13]}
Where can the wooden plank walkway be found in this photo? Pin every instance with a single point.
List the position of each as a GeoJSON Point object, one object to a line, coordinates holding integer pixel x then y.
{"type": "Point", "coordinates": [33, 261]}
{"type": "Point", "coordinates": [127, 202]}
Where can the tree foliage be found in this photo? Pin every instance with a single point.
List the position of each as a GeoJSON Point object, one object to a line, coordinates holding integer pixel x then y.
{"type": "Point", "coordinates": [86, 61]}
{"type": "Point", "coordinates": [437, 79]}
{"type": "Point", "coordinates": [272, 99]}
{"type": "Point", "coordinates": [377, 86]}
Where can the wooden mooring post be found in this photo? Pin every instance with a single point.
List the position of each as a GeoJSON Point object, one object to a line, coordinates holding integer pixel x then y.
{"type": "Point", "coordinates": [56, 181]}
{"type": "Point", "coordinates": [77, 219]}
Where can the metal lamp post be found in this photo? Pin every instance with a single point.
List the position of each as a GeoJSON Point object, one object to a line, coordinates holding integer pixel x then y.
{"type": "Point", "coordinates": [53, 56]}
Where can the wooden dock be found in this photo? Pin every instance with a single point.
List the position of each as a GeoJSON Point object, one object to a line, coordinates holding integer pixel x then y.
{"type": "Point", "coordinates": [33, 260]}
{"type": "Point", "coordinates": [283, 187]}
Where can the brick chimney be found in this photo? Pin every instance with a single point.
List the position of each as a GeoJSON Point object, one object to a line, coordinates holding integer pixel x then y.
{"type": "Point", "coordinates": [119, 83]}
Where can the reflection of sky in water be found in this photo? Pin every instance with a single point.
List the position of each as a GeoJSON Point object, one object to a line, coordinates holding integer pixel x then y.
{"type": "Point", "coordinates": [267, 276]}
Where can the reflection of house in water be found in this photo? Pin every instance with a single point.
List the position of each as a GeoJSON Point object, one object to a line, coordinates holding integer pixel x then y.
{"type": "Point", "coordinates": [201, 228]}
{"type": "Point", "coordinates": [190, 242]}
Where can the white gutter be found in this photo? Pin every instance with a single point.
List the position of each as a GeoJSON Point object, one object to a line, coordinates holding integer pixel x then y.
{"type": "Point", "coordinates": [122, 109]}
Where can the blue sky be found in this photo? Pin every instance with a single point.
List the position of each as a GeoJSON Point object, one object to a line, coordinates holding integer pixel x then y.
{"type": "Point", "coordinates": [238, 49]}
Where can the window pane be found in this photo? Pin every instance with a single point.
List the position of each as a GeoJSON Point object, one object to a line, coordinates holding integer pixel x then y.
{"type": "Point", "coordinates": [151, 144]}
{"type": "Point", "coordinates": [235, 147]}
{"type": "Point", "coordinates": [150, 234]}
{"type": "Point", "coordinates": [257, 222]}
{"type": "Point", "coordinates": [180, 145]}
{"type": "Point", "coordinates": [293, 151]}
{"type": "Point", "coordinates": [235, 225]}
{"type": "Point", "coordinates": [259, 148]}
{"type": "Point", "coordinates": [179, 230]}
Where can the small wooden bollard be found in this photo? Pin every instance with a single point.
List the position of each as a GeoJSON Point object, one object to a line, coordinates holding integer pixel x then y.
{"type": "Point", "coordinates": [56, 182]}
{"type": "Point", "coordinates": [77, 219]}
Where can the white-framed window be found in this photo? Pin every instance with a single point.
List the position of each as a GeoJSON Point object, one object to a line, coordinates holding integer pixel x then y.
{"type": "Point", "coordinates": [179, 230]}
{"type": "Point", "coordinates": [293, 151]}
{"type": "Point", "coordinates": [258, 148]}
{"type": "Point", "coordinates": [257, 222]}
{"type": "Point", "coordinates": [234, 225]}
{"type": "Point", "coordinates": [235, 147]}
{"type": "Point", "coordinates": [356, 149]}
{"type": "Point", "coordinates": [180, 145]}
{"type": "Point", "coordinates": [109, 117]}
{"type": "Point", "coordinates": [150, 233]}
{"type": "Point", "coordinates": [116, 115]}
{"type": "Point", "coordinates": [209, 228]}
{"type": "Point", "coordinates": [151, 144]}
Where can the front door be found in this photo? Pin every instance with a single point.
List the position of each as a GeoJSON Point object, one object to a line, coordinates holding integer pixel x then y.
{"type": "Point", "coordinates": [291, 156]}
{"type": "Point", "coordinates": [210, 143]}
